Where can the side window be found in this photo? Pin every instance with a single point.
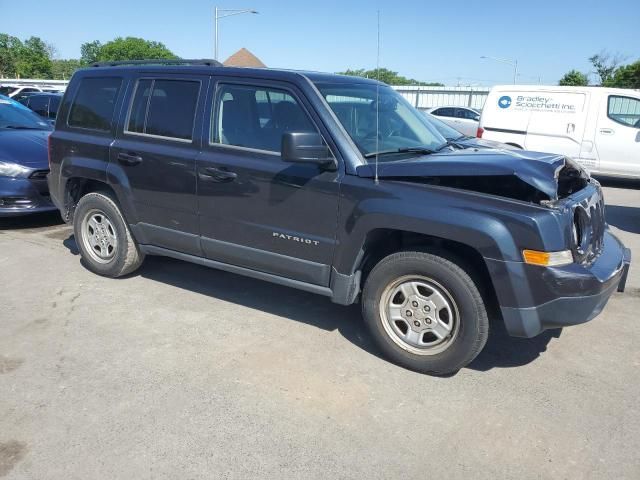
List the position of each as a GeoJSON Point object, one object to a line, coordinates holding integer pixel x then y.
{"type": "Point", "coordinates": [445, 112]}
{"type": "Point", "coordinates": [94, 103]}
{"type": "Point", "coordinates": [256, 117]}
{"type": "Point", "coordinates": [40, 105]}
{"type": "Point", "coordinates": [624, 110]}
{"type": "Point", "coordinates": [164, 108]}
{"type": "Point", "coordinates": [54, 105]}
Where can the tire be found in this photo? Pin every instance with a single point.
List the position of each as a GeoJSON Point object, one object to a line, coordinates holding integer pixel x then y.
{"type": "Point", "coordinates": [433, 318]}
{"type": "Point", "coordinates": [110, 251]}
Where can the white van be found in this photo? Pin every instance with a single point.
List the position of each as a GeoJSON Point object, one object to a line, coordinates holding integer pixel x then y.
{"type": "Point", "coordinates": [598, 127]}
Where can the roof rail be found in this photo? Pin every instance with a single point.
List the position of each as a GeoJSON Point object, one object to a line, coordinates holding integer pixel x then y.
{"type": "Point", "coordinates": [161, 61]}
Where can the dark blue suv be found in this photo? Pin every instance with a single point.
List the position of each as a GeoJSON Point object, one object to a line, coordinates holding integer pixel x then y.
{"type": "Point", "coordinates": [334, 185]}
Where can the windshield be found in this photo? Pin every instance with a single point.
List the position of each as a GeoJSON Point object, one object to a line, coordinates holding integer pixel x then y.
{"type": "Point", "coordinates": [12, 116]}
{"type": "Point", "coordinates": [6, 90]}
{"type": "Point", "coordinates": [399, 125]}
{"type": "Point", "coordinates": [445, 130]}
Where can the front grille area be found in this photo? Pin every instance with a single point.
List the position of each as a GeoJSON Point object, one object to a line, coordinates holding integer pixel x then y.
{"type": "Point", "coordinates": [589, 227]}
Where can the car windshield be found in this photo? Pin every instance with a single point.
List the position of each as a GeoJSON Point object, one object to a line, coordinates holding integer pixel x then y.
{"type": "Point", "coordinates": [445, 130]}
{"type": "Point", "coordinates": [6, 90]}
{"type": "Point", "coordinates": [13, 117]}
{"type": "Point", "coordinates": [386, 126]}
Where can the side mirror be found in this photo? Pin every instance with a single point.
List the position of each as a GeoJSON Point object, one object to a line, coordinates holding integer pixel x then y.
{"type": "Point", "coordinates": [306, 147]}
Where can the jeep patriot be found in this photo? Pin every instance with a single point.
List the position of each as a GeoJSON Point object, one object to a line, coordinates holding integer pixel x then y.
{"type": "Point", "coordinates": [334, 185]}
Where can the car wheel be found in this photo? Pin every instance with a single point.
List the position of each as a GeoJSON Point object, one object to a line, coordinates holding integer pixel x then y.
{"type": "Point", "coordinates": [103, 237]}
{"type": "Point", "coordinates": [425, 312]}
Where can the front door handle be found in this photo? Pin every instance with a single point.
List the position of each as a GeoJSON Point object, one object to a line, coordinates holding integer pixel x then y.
{"type": "Point", "coordinates": [129, 158]}
{"type": "Point", "coordinates": [217, 175]}
{"type": "Point", "coordinates": [607, 131]}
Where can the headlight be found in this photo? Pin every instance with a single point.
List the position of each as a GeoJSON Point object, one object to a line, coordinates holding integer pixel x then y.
{"type": "Point", "coordinates": [547, 259]}
{"type": "Point", "coordinates": [10, 169]}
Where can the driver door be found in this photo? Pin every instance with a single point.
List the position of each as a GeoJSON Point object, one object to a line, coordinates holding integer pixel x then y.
{"type": "Point", "coordinates": [255, 210]}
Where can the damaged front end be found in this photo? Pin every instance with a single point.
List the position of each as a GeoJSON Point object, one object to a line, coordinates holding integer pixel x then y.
{"type": "Point", "coordinates": [527, 176]}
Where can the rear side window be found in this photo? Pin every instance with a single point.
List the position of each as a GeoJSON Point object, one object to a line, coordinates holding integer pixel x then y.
{"type": "Point", "coordinates": [624, 110]}
{"type": "Point", "coordinates": [444, 112]}
{"type": "Point", "coordinates": [164, 108]}
{"type": "Point", "coordinates": [40, 105]}
{"type": "Point", "coordinates": [94, 103]}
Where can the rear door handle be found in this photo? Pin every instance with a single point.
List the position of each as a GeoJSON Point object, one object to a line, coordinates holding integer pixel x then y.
{"type": "Point", "coordinates": [607, 131]}
{"type": "Point", "coordinates": [129, 158]}
{"type": "Point", "coordinates": [217, 175]}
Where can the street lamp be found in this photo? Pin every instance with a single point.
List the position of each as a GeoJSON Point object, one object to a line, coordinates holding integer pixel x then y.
{"type": "Point", "coordinates": [222, 13]}
{"type": "Point", "coordinates": [513, 63]}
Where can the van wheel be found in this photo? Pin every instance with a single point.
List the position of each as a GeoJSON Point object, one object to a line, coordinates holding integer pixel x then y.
{"type": "Point", "coordinates": [425, 312]}
{"type": "Point", "coordinates": [103, 237]}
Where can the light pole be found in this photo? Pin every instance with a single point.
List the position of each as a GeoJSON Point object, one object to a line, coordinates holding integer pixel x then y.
{"type": "Point", "coordinates": [513, 63]}
{"type": "Point", "coordinates": [222, 13]}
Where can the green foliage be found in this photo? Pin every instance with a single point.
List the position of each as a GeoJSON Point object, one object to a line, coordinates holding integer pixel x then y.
{"type": "Point", "coordinates": [627, 76]}
{"type": "Point", "coordinates": [89, 52]}
{"type": "Point", "coordinates": [63, 69]}
{"type": "Point", "coordinates": [9, 48]}
{"type": "Point", "coordinates": [132, 48]}
{"type": "Point", "coordinates": [605, 65]}
{"type": "Point", "coordinates": [30, 59]}
{"type": "Point", "coordinates": [388, 76]}
{"type": "Point", "coordinates": [574, 78]}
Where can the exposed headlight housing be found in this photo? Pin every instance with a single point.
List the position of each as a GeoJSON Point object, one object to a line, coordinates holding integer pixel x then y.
{"type": "Point", "coordinates": [547, 259]}
{"type": "Point", "coordinates": [10, 169]}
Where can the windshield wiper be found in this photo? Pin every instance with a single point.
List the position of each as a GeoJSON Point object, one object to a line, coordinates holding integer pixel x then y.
{"type": "Point", "coordinates": [420, 150]}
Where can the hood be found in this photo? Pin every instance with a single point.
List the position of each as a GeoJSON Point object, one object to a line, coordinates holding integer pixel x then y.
{"type": "Point", "coordinates": [529, 176]}
{"type": "Point", "coordinates": [25, 147]}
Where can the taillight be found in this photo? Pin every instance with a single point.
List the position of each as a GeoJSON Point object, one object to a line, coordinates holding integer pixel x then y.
{"type": "Point", "coordinates": [479, 132]}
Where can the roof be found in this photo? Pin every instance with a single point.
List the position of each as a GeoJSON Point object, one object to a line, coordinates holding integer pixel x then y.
{"type": "Point", "coordinates": [243, 58]}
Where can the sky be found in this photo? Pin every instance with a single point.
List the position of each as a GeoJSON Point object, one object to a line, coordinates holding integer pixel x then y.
{"type": "Point", "coordinates": [440, 41]}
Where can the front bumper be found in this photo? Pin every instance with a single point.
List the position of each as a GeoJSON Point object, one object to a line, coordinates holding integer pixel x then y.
{"type": "Point", "coordinates": [19, 196]}
{"type": "Point", "coordinates": [540, 298]}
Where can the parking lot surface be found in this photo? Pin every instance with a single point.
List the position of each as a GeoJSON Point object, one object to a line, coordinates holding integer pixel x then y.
{"type": "Point", "coordinates": [179, 371]}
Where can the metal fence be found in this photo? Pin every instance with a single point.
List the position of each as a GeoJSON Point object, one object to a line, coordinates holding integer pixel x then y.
{"type": "Point", "coordinates": [28, 82]}
{"type": "Point", "coordinates": [427, 97]}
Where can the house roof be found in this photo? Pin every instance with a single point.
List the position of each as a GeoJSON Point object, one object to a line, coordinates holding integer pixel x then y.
{"type": "Point", "coordinates": [243, 58]}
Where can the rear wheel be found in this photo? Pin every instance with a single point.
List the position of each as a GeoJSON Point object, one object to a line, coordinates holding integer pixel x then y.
{"type": "Point", "coordinates": [425, 312]}
{"type": "Point", "coordinates": [103, 237]}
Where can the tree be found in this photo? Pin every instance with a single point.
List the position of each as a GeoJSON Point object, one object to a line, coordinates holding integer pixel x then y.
{"type": "Point", "coordinates": [627, 76]}
{"type": "Point", "coordinates": [9, 48]}
{"type": "Point", "coordinates": [387, 76]}
{"type": "Point", "coordinates": [605, 65]}
{"type": "Point", "coordinates": [574, 78]}
{"type": "Point", "coordinates": [132, 48]}
{"type": "Point", "coordinates": [63, 69]}
{"type": "Point", "coordinates": [89, 52]}
{"type": "Point", "coordinates": [32, 59]}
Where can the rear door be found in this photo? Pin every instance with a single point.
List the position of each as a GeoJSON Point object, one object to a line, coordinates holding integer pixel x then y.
{"type": "Point", "coordinates": [152, 160]}
{"type": "Point", "coordinates": [257, 211]}
{"type": "Point", "coordinates": [618, 135]}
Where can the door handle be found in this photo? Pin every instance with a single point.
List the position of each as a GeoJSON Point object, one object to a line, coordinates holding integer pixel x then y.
{"type": "Point", "coordinates": [129, 158]}
{"type": "Point", "coordinates": [217, 175]}
{"type": "Point", "coordinates": [607, 131]}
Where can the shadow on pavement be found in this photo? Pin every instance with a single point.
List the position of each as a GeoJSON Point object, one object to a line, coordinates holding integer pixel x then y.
{"type": "Point", "coordinates": [31, 221]}
{"type": "Point", "coordinates": [623, 217]}
{"type": "Point", "coordinates": [503, 351]}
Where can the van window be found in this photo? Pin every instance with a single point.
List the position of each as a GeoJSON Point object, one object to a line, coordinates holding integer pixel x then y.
{"type": "Point", "coordinates": [164, 108]}
{"type": "Point", "coordinates": [624, 110]}
{"type": "Point", "coordinates": [94, 103]}
{"type": "Point", "coordinates": [256, 117]}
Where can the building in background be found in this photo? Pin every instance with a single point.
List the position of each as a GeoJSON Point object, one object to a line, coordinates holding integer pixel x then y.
{"type": "Point", "coordinates": [244, 58]}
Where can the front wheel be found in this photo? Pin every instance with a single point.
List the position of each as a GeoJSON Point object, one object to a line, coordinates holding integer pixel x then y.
{"type": "Point", "coordinates": [425, 312]}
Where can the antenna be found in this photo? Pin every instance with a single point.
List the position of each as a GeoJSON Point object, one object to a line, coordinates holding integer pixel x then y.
{"type": "Point", "coordinates": [377, 101]}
